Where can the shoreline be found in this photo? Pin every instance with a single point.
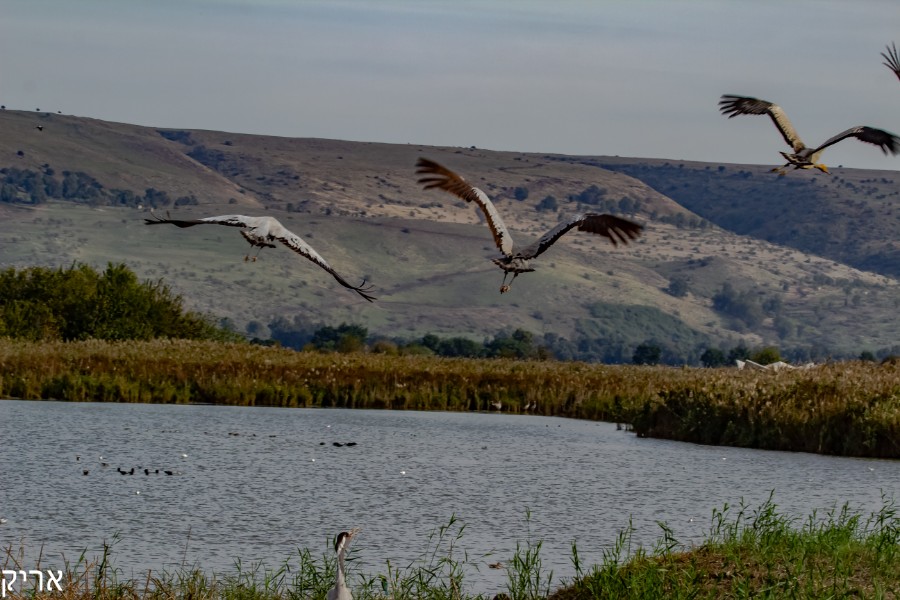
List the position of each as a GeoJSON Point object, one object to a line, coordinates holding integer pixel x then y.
{"type": "Point", "coordinates": [748, 551]}
{"type": "Point", "coordinates": [847, 409]}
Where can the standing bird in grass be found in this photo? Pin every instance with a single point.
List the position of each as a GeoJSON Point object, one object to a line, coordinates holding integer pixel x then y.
{"type": "Point", "coordinates": [262, 232]}
{"type": "Point", "coordinates": [803, 157]}
{"type": "Point", "coordinates": [892, 59]}
{"type": "Point", "coordinates": [340, 591]}
{"type": "Point", "coordinates": [515, 260]}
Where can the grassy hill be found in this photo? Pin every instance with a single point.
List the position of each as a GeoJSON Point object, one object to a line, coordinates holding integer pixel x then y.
{"type": "Point", "coordinates": [428, 254]}
{"type": "Point", "coordinates": [852, 216]}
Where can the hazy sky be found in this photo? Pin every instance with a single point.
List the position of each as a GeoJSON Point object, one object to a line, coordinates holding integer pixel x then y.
{"type": "Point", "coordinates": [636, 78]}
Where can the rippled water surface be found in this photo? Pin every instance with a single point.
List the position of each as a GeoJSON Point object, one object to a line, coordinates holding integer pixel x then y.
{"type": "Point", "coordinates": [257, 483]}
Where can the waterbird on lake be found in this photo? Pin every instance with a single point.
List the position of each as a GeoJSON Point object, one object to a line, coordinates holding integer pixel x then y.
{"type": "Point", "coordinates": [85, 472]}
{"type": "Point", "coordinates": [262, 232]}
{"type": "Point", "coordinates": [3, 521]}
{"type": "Point", "coordinates": [340, 591]}
{"type": "Point", "coordinates": [803, 157]}
{"type": "Point", "coordinates": [168, 472]}
{"type": "Point", "coordinates": [516, 260]}
{"type": "Point", "coordinates": [892, 59]}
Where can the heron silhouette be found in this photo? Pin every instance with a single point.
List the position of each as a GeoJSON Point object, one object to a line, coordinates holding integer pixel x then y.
{"type": "Point", "coordinates": [340, 591]}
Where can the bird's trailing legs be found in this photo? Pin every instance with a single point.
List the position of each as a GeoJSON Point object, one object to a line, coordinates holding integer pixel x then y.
{"type": "Point", "coordinates": [504, 287]}
{"type": "Point", "coordinates": [253, 258]}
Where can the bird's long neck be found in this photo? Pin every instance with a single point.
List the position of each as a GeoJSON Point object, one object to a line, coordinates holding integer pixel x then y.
{"type": "Point", "coordinates": [339, 580]}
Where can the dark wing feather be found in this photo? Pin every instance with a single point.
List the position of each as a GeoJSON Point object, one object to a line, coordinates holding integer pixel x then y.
{"type": "Point", "coordinates": [229, 220]}
{"type": "Point", "coordinates": [614, 228]}
{"type": "Point", "coordinates": [892, 59]}
{"type": "Point", "coordinates": [443, 178]}
{"type": "Point", "coordinates": [884, 139]}
{"type": "Point", "coordinates": [744, 105]}
{"type": "Point", "coordinates": [296, 243]}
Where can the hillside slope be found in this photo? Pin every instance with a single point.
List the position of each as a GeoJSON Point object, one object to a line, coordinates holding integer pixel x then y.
{"type": "Point", "coordinates": [684, 285]}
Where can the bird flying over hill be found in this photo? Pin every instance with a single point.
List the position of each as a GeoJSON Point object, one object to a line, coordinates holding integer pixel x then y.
{"type": "Point", "coordinates": [261, 232]}
{"type": "Point", "coordinates": [803, 157]}
{"type": "Point", "coordinates": [892, 59]}
{"type": "Point", "coordinates": [515, 260]}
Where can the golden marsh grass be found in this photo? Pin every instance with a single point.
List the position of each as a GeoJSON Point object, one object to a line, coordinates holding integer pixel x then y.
{"type": "Point", "coordinates": [847, 408]}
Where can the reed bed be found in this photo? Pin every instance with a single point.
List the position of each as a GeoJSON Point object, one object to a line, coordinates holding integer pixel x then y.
{"type": "Point", "coordinates": [847, 408]}
{"type": "Point", "coordinates": [747, 553]}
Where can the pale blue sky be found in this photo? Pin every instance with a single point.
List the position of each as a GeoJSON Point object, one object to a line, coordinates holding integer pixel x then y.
{"type": "Point", "coordinates": [636, 78]}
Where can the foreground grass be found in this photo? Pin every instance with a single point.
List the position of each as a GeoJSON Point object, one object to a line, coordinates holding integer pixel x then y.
{"type": "Point", "coordinates": [850, 408]}
{"type": "Point", "coordinates": [759, 554]}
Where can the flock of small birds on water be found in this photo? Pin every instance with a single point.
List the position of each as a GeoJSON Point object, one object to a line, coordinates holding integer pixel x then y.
{"type": "Point", "coordinates": [104, 464]}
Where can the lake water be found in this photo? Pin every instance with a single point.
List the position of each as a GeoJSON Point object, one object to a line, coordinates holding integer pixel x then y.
{"type": "Point", "coordinates": [257, 483]}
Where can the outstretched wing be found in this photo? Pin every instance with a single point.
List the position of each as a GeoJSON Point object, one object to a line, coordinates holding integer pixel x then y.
{"type": "Point", "coordinates": [892, 59]}
{"type": "Point", "coordinates": [230, 220]}
{"type": "Point", "coordinates": [745, 105]}
{"type": "Point", "coordinates": [614, 228]}
{"type": "Point", "coordinates": [296, 243]}
{"type": "Point", "coordinates": [445, 179]}
{"type": "Point", "coordinates": [884, 139]}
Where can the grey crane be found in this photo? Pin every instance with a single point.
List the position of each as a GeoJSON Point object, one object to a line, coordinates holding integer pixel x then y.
{"type": "Point", "coordinates": [892, 59]}
{"type": "Point", "coordinates": [516, 260]}
{"type": "Point", "coordinates": [261, 232]}
{"type": "Point", "coordinates": [340, 591]}
{"type": "Point", "coordinates": [803, 157]}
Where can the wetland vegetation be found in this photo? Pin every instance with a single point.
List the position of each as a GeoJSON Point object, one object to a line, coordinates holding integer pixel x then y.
{"type": "Point", "coordinates": [757, 553]}
{"type": "Point", "coordinates": [846, 408]}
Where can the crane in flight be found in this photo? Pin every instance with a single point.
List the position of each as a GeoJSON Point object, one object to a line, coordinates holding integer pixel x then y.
{"type": "Point", "coordinates": [515, 259]}
{"type": "Point", "coordinates": [802, 156]}
{"type": "Point", "coordinates": [892, 59]}
{"type": "Point", "coordinates": [261, 232]}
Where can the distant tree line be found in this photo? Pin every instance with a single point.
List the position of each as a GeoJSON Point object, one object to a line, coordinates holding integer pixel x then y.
{"type": "Point", "coordinates": [24, 186]}
{"type": "Point", "coordinates": [301, 334]}
{"type": "Point", "coordinates": [79, 302]}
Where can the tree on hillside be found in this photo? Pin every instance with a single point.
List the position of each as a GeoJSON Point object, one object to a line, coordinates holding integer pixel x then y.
{"type": "Point", "coordinates": [713, 357]}
{"type": "Point", "coordinates": [647, 354]}
{"type": "Point", "coordinates": [518, 344]}
{"type": "Point", "coordinates": [678, 287]}
{"type": "Point", "coordinates": [344, 338]}
{"type": "Point", "coordinates": [766, 356]}
{"type": "Point", "coordinates": [548, 203]}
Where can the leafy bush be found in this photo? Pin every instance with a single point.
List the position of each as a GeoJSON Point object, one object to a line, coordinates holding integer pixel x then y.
{"type": "Point", "coordinates": [78, 303]}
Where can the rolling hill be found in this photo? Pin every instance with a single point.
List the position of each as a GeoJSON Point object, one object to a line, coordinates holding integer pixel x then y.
{"type": "Point", "coordinates": [730, 255]}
